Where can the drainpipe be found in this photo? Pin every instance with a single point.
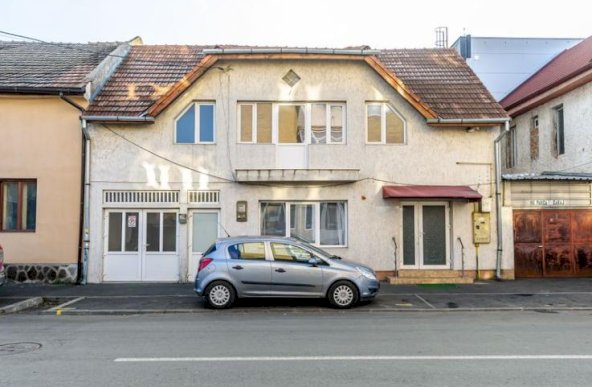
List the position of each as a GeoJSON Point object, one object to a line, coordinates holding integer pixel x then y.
{"type": "Point", "coordinates": [85, 196]}
{"type": "Point", "coordinates": [498, 199]}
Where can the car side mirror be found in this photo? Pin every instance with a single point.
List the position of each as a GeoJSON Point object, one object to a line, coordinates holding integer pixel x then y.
{"type": "Point", "coordinates": [314, 261]}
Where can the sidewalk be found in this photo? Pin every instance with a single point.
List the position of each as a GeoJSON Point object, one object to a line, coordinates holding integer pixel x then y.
{"type": "Point", "coordinates": [535, 294]}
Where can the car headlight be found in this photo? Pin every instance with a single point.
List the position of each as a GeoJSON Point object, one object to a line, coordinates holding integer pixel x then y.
{"type": "Point", "coordinates": [366, 273]}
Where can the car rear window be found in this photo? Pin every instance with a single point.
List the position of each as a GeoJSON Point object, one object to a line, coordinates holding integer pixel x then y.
{"type": "Point", "coordinates": [210, 250]}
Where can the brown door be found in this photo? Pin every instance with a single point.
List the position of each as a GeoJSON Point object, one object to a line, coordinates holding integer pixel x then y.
{"type": "Point", "coordinates": [553, 243]}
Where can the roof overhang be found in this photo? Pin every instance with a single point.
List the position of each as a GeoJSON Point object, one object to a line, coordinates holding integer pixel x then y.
{"type": "Point", "coordinates": [449, 192]}
{"type": "Point", "coordinates": [468, 122]}
{"type": "Point", "coordinates": [120, 119]}
{"type": "Point", "coordinates": [548, 176]}
{"type": "Point", "coordinates": [545, 95]}
{"type": "Point", "coordinates": [43, 90]}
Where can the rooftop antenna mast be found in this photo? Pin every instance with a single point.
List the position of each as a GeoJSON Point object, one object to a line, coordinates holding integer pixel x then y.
{"type": "Point", "coordinates": [441, 37]}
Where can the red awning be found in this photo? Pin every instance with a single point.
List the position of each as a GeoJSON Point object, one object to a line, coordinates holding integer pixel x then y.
{"type": "Point", "coordinates": [430, 192]}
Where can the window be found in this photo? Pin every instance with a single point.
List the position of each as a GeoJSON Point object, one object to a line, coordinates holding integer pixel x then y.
{"type": "Point", "coordinates": [511, 148]}
{"type": "Point", "coordinates": [19, 205]}
{"type": "Point", "coordinates": [559, 130]}
{"type": "Point", "coordinates": [290, 253]}
{"type": "Point", "coordinates": [534, 138]}
{"type": "Point", "coordinates": [123, 231]}
{"type": "Point", "coordinates": [196, 125]}
{"type": "Point", "coordinates": [250, 251]}
{"type": "Point", "coordinates": [315, 123]}
{"type": "Point", "coordinates": [320, 223]}
{"type": "Point", "coordinates": [384, 125]}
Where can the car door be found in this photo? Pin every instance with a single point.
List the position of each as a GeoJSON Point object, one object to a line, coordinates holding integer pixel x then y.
{"type": "Point", "coordinates": [249, 268]}
{"type": "Point", "coordinates": [292, 274]}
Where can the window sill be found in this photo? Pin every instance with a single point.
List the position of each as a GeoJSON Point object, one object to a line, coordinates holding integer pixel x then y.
{"type": "Point", "coordinates": [18, 231]}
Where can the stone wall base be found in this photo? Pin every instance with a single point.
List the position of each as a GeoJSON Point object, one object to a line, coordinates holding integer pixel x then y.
{"type": "Point", "coordinates": [507, 274]}
{"type": "Point", "coordinates": [42, 272]}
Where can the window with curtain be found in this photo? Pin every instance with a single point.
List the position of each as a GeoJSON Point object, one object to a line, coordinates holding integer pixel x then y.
{"type": "Point", "coordinates": [384, 125]}
{"type": "Point", "coordinates": [320, 223]}
{"type": "Point", "coordinates": [19, 205]}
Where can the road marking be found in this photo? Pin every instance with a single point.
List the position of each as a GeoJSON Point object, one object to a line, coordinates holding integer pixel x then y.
{"type": "Point", "coordinates": [61, 306]}
{"type": "Point", "coordinates": [347, 358]}
{"type": "Point", "coordinates": [424, 300]}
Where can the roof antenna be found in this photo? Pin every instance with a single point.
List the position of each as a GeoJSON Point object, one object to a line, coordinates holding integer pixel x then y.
{"type": "Point", "coordinates": [441, 37]}
{"type": "Point", "coordinates": [224, 229]}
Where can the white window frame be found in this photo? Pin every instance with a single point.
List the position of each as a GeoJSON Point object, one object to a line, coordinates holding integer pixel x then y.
{"type": "Point", "coordinates": [307, 121]}
{"type": "Point", "coordinates": [316, 220]}
{"type": "Point", "coordinates": [383, 108]}
{"type": "Point", "coordinates": [196, 126]}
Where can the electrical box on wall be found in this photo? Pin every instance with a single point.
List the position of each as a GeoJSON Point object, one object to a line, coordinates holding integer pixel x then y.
{"type": "Point", "coordinates": [481, 227]}
{"type": "Point", "coordinates": [241, 211]}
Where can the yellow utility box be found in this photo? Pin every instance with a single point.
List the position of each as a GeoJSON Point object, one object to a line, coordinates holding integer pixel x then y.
{"type": "Point", "coordinates": [481, 228]}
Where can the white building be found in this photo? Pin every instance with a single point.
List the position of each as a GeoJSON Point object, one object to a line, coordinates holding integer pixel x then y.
{"type": "Point", "coordinates": [378, 156]}
{"type": "Point", "coordinates": [549, 167]}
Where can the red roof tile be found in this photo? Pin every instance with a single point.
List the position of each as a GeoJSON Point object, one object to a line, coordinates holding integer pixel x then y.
{"type": "Point", "coordinates": [440, 78]}
{"type": "Point", "coordinates": [563, 67]}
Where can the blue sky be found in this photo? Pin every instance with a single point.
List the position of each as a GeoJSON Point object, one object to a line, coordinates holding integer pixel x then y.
{"type": "Point", "coordinates": [329, 23]}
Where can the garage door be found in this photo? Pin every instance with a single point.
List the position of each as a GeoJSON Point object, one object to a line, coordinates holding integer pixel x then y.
{"type": "Point", "coordinates": [553, 243]}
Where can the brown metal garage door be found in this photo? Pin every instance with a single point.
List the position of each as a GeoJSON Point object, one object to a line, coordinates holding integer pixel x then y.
{"type": "Point", "coordinates": [553, 243]}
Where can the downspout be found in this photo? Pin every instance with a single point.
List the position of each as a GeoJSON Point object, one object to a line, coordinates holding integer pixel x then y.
{"type": "Point", "coordinates": [498, 199]}
{"type": "Point", "coordinates": [83, 241]}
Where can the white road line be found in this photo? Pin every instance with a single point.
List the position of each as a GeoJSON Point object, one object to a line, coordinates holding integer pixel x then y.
{"type": "Point", "coordinates": [424, 300]}
{"type": "Point", "coordinates": [347, 358]}
{"type": "Point", "coordinates": [61, 306]}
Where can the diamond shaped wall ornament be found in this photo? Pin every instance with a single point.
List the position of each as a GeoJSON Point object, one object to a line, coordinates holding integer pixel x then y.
{"type": "Point", "coordinates": [291, 78]}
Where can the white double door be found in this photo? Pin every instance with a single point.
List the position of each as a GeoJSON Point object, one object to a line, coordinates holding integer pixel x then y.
{"type": "Point", "coordinates": [426, 235]}
{"type": "Point", "coordinates": [141, 245]}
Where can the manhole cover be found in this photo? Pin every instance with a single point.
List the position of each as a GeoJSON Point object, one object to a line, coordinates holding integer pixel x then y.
{"type": "Point", "coordinates": [15, 348]}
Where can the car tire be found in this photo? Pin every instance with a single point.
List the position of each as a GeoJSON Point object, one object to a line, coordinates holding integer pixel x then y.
{"type": "Point", "coordinates": [342, 295]}
{"type": "Point", "coordinates": [220, 295]}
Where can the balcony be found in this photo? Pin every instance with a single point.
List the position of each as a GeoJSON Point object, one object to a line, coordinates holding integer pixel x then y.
{"type": "Point", "coordinates": [298, 176]}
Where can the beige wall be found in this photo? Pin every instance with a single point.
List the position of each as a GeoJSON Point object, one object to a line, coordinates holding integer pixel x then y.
{"type": "Point", "coordinates": [40, 138]}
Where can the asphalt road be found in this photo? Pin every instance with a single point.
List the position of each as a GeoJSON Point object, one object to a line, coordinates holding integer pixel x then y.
{"type": "Point", "coordinates": [309, 349]}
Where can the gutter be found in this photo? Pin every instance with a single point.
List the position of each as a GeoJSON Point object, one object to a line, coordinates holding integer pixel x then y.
{"type": "Point", "coordinates": [83, 240]}
{"type": "Point", "coordinates": [498, 199]}
{"type": "Point", "coordinates": [324, 51]}
{"type": "Point", "coordinates": [42, 90]}
{"type": "Point", "coordinates": [119, 118]}
{"type": "Point", "coordinates": [467, 121]}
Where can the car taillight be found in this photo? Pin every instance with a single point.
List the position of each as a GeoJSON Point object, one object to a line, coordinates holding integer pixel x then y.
{"type": "Point", "coordinates": [203, 263]}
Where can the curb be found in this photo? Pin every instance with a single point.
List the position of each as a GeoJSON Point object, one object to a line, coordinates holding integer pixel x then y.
{"type": "Point", "coordinates": [22, 305]}
{"type": "Point", "coordinates": [123, 312]}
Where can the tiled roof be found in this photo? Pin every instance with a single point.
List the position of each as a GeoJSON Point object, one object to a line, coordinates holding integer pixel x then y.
{"type": "Point", "coordinates": [439, 77]}
{"type": "Point", "coordinates": [42, 66]}
{"type": "Point", "coordinates": [563, 67]}
{"type": "Point", "coordinates": [443, 81]}
{"type": "Point", "coordinates": [144, 76]}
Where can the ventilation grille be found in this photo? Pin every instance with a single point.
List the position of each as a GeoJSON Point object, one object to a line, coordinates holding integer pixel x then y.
{"type": "Point", "coordinates": [141, 196]}
{"type": "Point", "coordinates": [204, 197]}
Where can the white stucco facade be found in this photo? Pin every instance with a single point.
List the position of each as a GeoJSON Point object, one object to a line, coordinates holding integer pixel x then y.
{"type": "Point", "coordinates": [431, 156]}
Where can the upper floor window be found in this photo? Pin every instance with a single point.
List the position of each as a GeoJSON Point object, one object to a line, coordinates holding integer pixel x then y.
{"type": "Point", "coordinates": [384, 125]}
{"type": "Point", "coordinates": [559, 130]}
{"type": "Point", "coordinates": [511, 148]}
{"type": "Point", "coordinates": [291, 123]}
{"type": "Point", "coordinates": [196, 124]}
{"type": "Point", "coordinates": [534, 138]}
{"type": "Point", "coordinates": [19, 205]}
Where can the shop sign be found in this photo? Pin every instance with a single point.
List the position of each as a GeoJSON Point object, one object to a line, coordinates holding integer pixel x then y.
{"type": "Point", "coordinates": [548, 202]}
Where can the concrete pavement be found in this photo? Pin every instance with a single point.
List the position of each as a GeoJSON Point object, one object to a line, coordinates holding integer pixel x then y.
{"type": "Point", "coordinates": [547, 294]}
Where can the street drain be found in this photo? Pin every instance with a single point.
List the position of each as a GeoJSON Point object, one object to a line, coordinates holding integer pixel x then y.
{"type": "Point", "coordinates": [452, 305]}
{"type": "Point", "coordinates": [16, 348]}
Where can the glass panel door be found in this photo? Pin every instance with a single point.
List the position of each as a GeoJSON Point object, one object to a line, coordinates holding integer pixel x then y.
{"type": "Point", "coordinates": [204, 232]}
{"type": "Point", "coordinates": [160, 260]}
{"type": "Point", "coordinates": [291, 137]}
{"type": "Point", "coordinates": [409, 236]}
{"type": "Point", "coordinates": [434, 235]}
{"type": "Point", "coordinates": [122, 257]}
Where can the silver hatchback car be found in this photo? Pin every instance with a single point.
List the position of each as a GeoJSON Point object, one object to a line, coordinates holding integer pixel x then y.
{"type": "Point", "coordinates": [280, 267]}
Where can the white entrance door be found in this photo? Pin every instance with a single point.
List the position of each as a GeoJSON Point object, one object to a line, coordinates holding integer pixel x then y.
{"type": "Point", "coordinates": [205, 230]}
{"type": "Point", "coordinates": [290, 135]}
{"type": "Point", "coordinates": [425, 235]}
{"type": "Point", "coordinates": [141, 245]}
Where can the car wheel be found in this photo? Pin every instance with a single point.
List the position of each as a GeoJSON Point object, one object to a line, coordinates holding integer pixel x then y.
{"type": "Point", "coordinates": [220, 295]}
{"type": "Point", "coordinates": [343, 295]}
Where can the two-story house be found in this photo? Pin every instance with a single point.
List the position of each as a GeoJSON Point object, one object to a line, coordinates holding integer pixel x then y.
{"type": "Point", "coordinates": [43, 88]}
{"type": "Point", "coordinates": [376, 155]}
{"type": "Point", "coordinates": [549, 167]}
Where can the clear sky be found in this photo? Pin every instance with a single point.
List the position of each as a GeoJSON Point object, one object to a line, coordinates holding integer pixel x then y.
{"type": "Point", "coordinates": [316, 23]}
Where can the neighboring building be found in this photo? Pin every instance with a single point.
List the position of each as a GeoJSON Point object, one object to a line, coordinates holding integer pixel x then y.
{"type": "Point", "coordinates": [504, 63]}
{"type": "Point", "coordinates": [549, 167]}
{"type": "Point", "coordinates": [379, 156]}
{"type": "Point", "coordinates": [42, 88]}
